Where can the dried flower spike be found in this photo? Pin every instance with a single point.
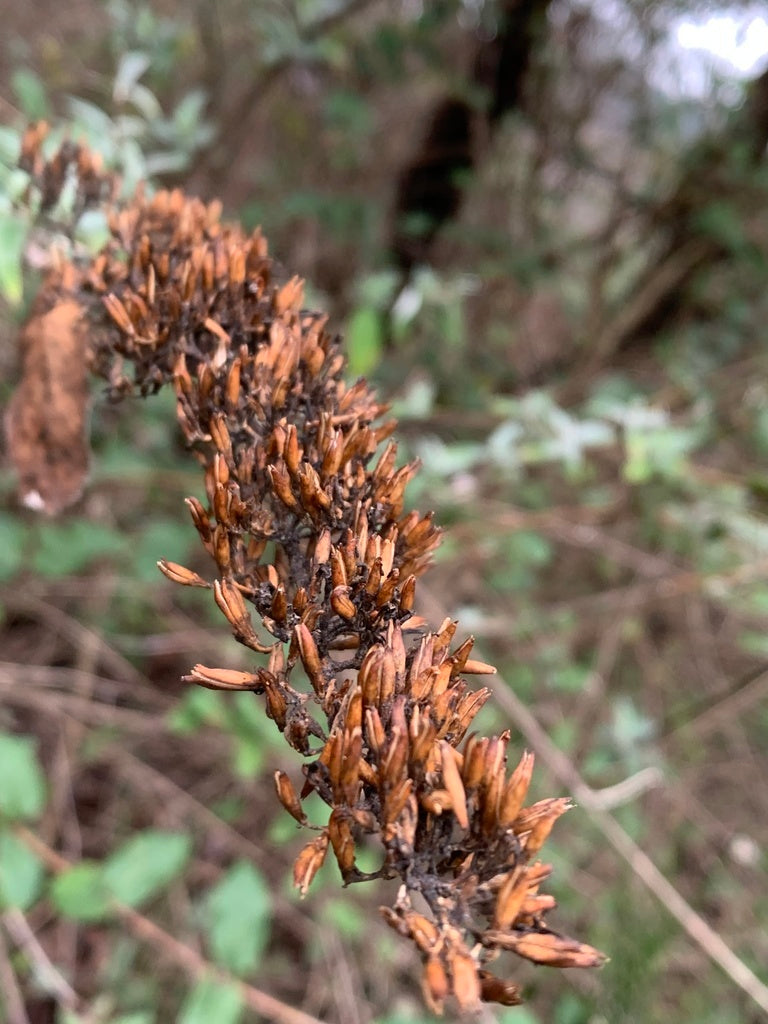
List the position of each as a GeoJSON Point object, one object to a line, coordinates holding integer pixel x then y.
{"type": "Point", "coordinates": [306, 527]}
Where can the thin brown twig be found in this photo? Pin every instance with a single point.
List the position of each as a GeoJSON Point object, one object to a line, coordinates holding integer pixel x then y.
{"type": "Point", "coordinates": [745, 696]}
{"type": "Point", "coordinates": [12, 1004]}
{"type": "Point", "coordinates": [172, 949]}
{"type": "Point", "coordinates": [115, 662]}
{"type": "Point", "coordinates": [83, 709]}
{"type": "Point", "coordinates": [290, 915]}
{"type": "Point", "coordinates": [48, 976]}
{"type": "Point", "coordinates": [63, 677]}
{"type": "Point", "coordinates": [234, 120]}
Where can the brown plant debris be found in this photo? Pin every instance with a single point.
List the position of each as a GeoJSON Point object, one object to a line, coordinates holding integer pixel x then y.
{"type": "Point", "coordinates": [306, 526]}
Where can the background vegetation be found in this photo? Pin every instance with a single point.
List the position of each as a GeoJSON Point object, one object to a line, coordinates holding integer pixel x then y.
{"type": "Point", "coordinates": [553, 261]}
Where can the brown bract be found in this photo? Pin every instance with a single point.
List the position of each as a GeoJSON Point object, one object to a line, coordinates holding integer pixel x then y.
{"type": "Point", "coordinates": [315, 567]}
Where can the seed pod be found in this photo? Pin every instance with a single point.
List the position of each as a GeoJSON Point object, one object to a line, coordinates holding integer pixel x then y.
{"type": "Point", "coordinates": [322, 547]}
{"type": "Point", "coordinates": [435, 984]}
{"type": "Point", "coordinates": [179, 574]}
{"type": "Point", "coordinates": [230, 601]}
{"type": "Point", "coordinates": [375, 736]}
{"type": "Point", "coordinates": [542, 825]}
{"type": "Point", "coordinates": [374, 578]}
{"type": "Point", "coordinates": [225, 679]}
{"type": "Point", "coordinates": [281, 484]}
{"type": "Point", "coordinates": [466, 984]}
{"type": "Point", "coordinates": [473, 768]}
{"type": "Point", "coordinates": [407, 595]}
{"type": "Point", "coordinates": [387, 589]}
{"type": "Point", "coordinates": [276, 702]}
{"type": "Point", "coordinates": [221, 549]}
{"type": "Point", "coordinates": [279, 607]}
{"type": "Point", "coordinates": [349, 774]}
{"type": "Point", "coordinates": [437, 801]}
{"type": "Point", "coordinates": [338, 569]}
{"type": "Point", "coordinates": [515, 791]}
{"type": "Point", "coordinates": [510, 898]}
{"type": "Point", "coordinates": [478, 668]}
{"type": "Point", "coordinates": [309, 862]}
{"type": "Point", "coordinates": [453, 783]}
{"type": "Point", "coordinates": [287, 796]}
{"type": "Point", "coordinates": [494, 990]}
{"type": "Point", "coordinates": [545, 947]}
{"type": "Point", "coordinates": [342, 603]}
{"type": "Point", "coordinates": [460, 656]}
{"type": "Point", "coordinates": [342, 841]}
{"type": "Point", "coordinates": [536, 904]}
{"type": "Point", "coordinates": [233, 384]}
{"type": "Point", "coordinates": [395, 801]}
{"type": "Point", "coordinates": [310, 657]}
{"type": "Point", "coordinates": [119, 314]}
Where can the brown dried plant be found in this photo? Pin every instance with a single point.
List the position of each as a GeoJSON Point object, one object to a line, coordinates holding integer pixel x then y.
{"type": "Point", "coordinates": [305, 523]}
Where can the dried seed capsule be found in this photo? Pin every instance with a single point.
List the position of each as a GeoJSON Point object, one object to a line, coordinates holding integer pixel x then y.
{"type": "Point", "coordinates": [515, 791]}
{"type": "Point", "coordinates": [342, 603]}
{"type": "Point", "coordinates": [495, 990]}
{"type": "Point", "coordinates": [478, 668]}
{"type": "Point", "coordinates": [435, 984]}
{"type": "Point", "coordinates": [225, 679]}
{"type": "Point", "coordinates": [179, 574]}
{"type": "Point", "coordinates": [545, 947]}
{"type": "Point", "coordinates": [453, 783]}
{"type": "Point", "coordinates": [276, 702]}
{"type": "Point", "coordinates": [288, 797]}
{"type": "Point", "coordinates": [310, 657]}
{"type": "Point", "coordinates": [407, 595]}
{"type": "Point", "coordinates": [466, 984]}
{"type": "Point", "coordinates": [342, 841]}
{"type": "Point", "coordinates": [309, 862]}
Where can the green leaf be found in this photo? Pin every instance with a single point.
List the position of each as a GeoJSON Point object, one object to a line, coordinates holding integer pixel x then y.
{"type": "Point", "coordinates": [13, 232]}
{"type": "Point", "coordinates": [518, 1015]}
{"type": "Point", "coordinates": [10, 145]}
{"type": "Point", "coordinates": [132, 66]}
{"type": "Point", "coordinates": [30, 92]}
{"type": "Point", "coordinates": [212, 1001]}
{"type": "Point", "coordinates": [66, 548]}
{"type": "Point", "coordinates": [21, 873]}
{"type": "Point", "coordinates": [81, 893]}
{"type": "Point", "coordinates": [145, 864]}
{"type": "Point", "coordinates": [22, 786]}
{"type": "Point", "coordinates": [238, 911]}
{"type": "Point", "coordinates": [160, 538]}
{"type": "Point", "coordinates": [365, 340]}
{"type": "Point", "coordinates": [12, 537]}
{"type": "Point", "coordinates": [198, 707]}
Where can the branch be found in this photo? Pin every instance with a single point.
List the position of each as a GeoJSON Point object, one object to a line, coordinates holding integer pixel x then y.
{"type": "Point", "coordinates": [171, 949]}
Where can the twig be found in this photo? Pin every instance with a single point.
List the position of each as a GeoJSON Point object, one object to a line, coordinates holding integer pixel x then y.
{"type": "Point", "coordinates": [115, 662]}
{"type": "Point", "coordinates": [178, 953]}
{"type": "Point", "coordinates": [237, 117]}
{"type": "Point", "coordinates": [628, 789]}
{"type": "Point", "coordinates": [82, 709]}
{"type": "Point", "coordinates": [48, 976]}
{"type": "Point", "coordinates": [12, 1000]}
{"type": "Point", "coordinates": [662, 279]}
{"type": "Point", "coordinates": [734, 703]}
{"type": "Point", "coordinates": [61, 677]}
{"type": "Point", "coordinates": [290, 915]}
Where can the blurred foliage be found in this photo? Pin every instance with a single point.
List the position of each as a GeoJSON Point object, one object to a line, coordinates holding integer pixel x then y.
{"type": "Point", "coordinates": [604, 490]}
